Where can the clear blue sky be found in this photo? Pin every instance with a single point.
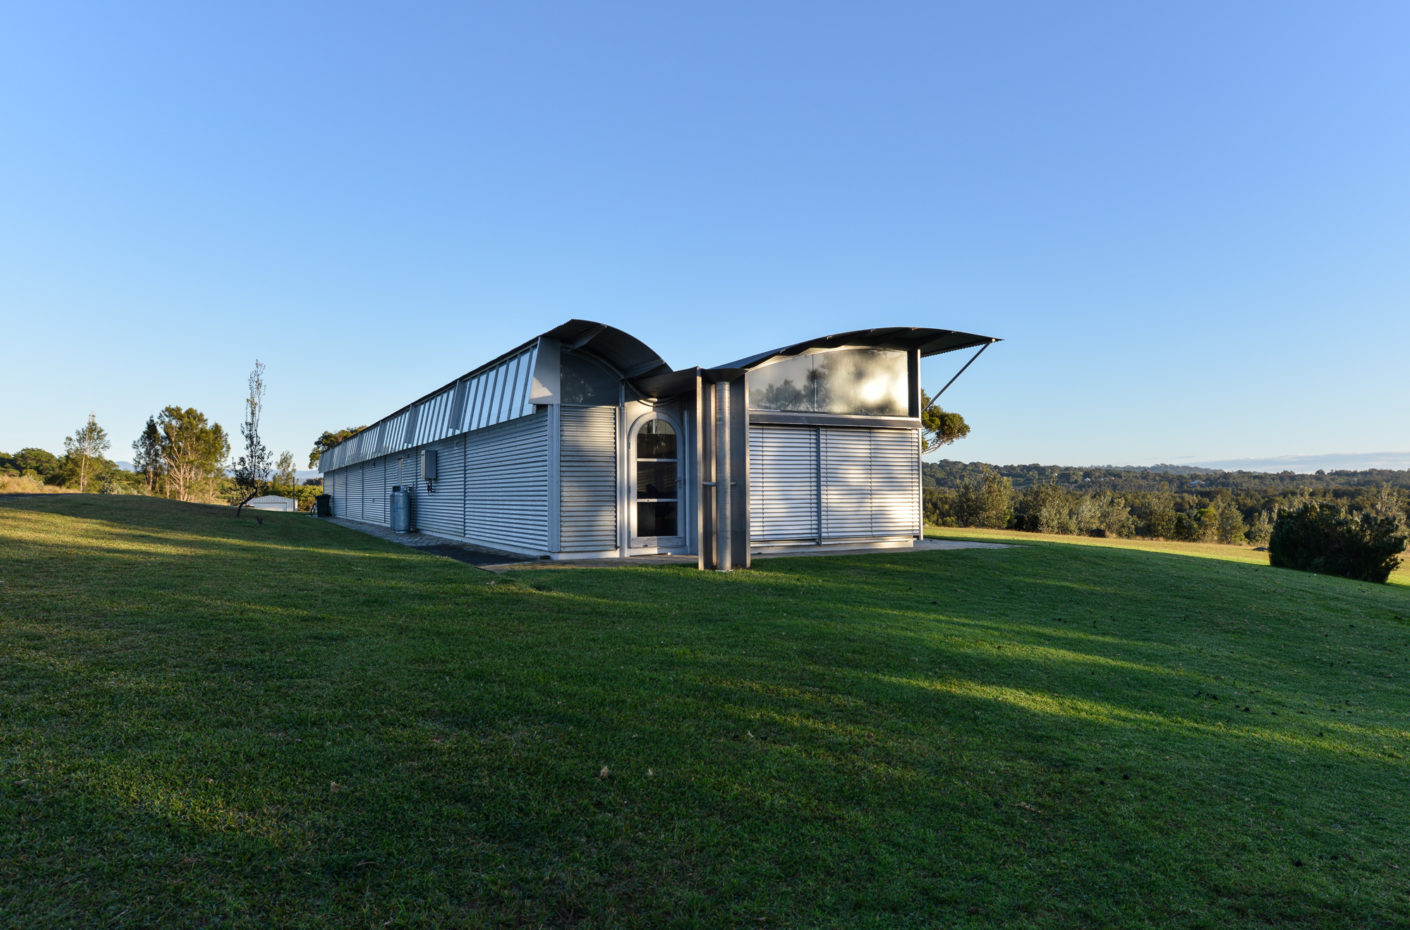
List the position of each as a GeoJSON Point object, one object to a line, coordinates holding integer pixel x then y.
{"type": "Point", "coordinates": [1189, 222]}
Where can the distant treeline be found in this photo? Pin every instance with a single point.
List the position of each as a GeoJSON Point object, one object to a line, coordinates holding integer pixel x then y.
{"type": "Point", "coordinates": [34, 469]}
{"type": "Point", "coordinates": [1162, 501]}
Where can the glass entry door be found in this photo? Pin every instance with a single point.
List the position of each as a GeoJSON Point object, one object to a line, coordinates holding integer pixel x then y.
{"type": "Point", "coordinates": [656, 517]}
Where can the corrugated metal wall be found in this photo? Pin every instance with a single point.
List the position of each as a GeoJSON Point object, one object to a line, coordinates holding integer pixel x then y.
{"type": "Point", "coordinates": [845, 456]}
{"type": "Point", "coordinates": [895, 482]}
{"type": "Point", "coordinates": [334, 485]}
{"type": "Point", "coordinates": [374, 491]}
{"type": "Point", "coordinates": [442, 509]}
{"type": "Point", "coordinates": [587, 509]}
{"type": "Point", "coordinates": [783, 483]}
{"type": "Point", "coordinates": [354, 492]}
{"type": "Point", "coordinates": [854, 483]}
{"type": "Point", "coordinates": [506, 484]}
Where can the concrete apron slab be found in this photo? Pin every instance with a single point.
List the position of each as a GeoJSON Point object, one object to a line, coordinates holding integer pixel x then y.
{"type": "Point", "coordinates": [496, 561]}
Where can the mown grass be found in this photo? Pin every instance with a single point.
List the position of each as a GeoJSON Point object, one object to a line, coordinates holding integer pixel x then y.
{"type": "Point", "coordinates": [1247, 554]}
{"type": "Point", "coordinates": [209, 722]}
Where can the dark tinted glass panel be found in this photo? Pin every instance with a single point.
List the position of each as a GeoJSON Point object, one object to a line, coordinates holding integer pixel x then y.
{"type": "Point", "coordinates": [656, 441]}
{"type": "Point", "coordinates": [655, 479]}
{"type": "Point", "coordinates": [583, 381]}
{"type": "Point", "coordinates": [656, 518]}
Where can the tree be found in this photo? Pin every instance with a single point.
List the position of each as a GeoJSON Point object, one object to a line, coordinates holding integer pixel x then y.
{"type": "Point", "coordinates": [985, 500]}
{"type": "Point", "coordinates": [284, 474]}
{"type": "Point", "coordinates": [87, 443]}
{"type": "Point", "coordinates": [939, 427]}
{"type": "Point", "coordinates": [252, 469]}
{"type": "Point", "coordinates": [328, 440]}
{"type": "Point", "coordinates": [41, 462]}
{"type": "Point", "coordinates": [147, 454]}
{"type": "Point", "coordinates": [1231, 529]}
{"type": "Point", "coordinates": [191, 452]}
{"type": "Point", "coordinates": [1323, 537]}
{"type": "Point", "coordinates": [1045, 508]}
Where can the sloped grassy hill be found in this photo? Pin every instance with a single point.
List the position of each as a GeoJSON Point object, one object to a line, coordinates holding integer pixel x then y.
{"type": "Point", "coordinates": [205, 721]}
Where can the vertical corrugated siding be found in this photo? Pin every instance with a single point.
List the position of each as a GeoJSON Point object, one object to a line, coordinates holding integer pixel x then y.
{"type": "Point", "coordinates": [783, 483]}
{"type": "Point", "coordinates": [587, 456]}
{"type": "Point", "coordinates": [332, 486]}
{"type": "Point", "coordinates": [867, 482]}
{"type": "Point", "coordinates": [846, 482]}
{"type": "Point", "coordinates": [442, 509]}
{"type": "Point", "coordinates": [398, 472]}
{"type": "Point", "coordinates": [506, 484]}
{"type": "Point", "coordinates": [354, 492]}
{"type": "Point", "coordinates": [374, 491]}
{"type": "Point", "coordinates": [895, 482]}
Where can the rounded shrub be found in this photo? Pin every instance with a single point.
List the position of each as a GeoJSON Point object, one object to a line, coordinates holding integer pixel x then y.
{"type": "Point", "coordinates": [1322, 537]}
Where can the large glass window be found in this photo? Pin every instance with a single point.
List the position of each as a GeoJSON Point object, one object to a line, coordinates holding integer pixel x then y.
{"type": "Point", "coordinates": [865, 381]}
{"type": "Point", "coordinates": [657, 462]}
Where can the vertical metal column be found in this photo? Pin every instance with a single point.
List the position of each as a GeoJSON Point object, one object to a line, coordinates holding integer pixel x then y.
{"type": "Point", "coordinates": [724, 551]}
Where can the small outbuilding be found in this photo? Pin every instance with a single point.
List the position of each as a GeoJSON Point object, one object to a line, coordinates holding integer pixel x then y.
{"type": "Point", "coordinates": [272, 502]}
{"type": "Point", "coordinates": [583, 443]}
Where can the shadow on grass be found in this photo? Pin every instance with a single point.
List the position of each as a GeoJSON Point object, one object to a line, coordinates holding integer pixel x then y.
{"type": "Point", "coordinates": [298, 723]}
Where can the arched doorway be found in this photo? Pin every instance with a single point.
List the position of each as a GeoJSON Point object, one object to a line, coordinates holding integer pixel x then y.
{"type": "Point", "coordinates": [656, 513]}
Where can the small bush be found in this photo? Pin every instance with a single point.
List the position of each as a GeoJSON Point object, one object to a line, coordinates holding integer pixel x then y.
{"type": "Point", "coordinates": [1322, 537]}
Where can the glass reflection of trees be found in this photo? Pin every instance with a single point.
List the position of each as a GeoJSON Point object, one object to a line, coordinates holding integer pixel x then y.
{"type": "Point", "coordinates": [863, 381]}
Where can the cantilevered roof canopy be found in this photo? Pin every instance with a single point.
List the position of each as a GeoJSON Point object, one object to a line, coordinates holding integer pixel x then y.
{"type": "Point", "coordinates": [928, 341]}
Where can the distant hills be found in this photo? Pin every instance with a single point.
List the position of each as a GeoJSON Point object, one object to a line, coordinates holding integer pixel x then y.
{"type": "Point", "coordinates": [1308, 464]}
{"type": "Point", "coordinates": [947, 473]}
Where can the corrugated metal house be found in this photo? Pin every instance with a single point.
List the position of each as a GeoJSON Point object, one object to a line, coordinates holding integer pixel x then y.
{"type": "Point", "coordinates": [583, 443]}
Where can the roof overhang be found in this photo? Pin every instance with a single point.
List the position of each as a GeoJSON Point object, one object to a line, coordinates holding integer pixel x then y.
{"type": "Point", "coordinates": [623, 351]}
{"type": "Point", "coordinates": [928, 341]}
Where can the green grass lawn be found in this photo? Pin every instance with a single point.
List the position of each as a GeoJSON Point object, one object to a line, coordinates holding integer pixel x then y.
{"type": "Point", "coordinates": [1246, 553]}
{"type": "Point", "coordinates": [209, 722]}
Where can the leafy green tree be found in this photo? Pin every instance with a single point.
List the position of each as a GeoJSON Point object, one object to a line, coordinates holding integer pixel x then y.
{"type": "Point", "coordinates": [147, 454]}
{"type": "Point", "coordinates": [939, 427]}
{"type": "Point", "coordinates": [1261, 528]}
{"type": "Point", "coordinates": [89, 442]}
{"type": "Point", "coordinates": [985, 500]}
{"type": "Point", "coordinates": [42, 463]}
{"type": "Point", "coordinates": [252, 469]}
{"type": "Point", "coordinates": [1114, 516]}
{"type": "Point", "coordinates": [285, 474]}
{"type": "Point", "coordinates": [1044, 508]}
{"type": "Point", "coordinates": [1229, 526]}
{"type": "Point", "coordinates": [1323, 537]}
{"type": "Point", "coordinates": [1386, 501]}
{"type": "Point", "coordinates": [328, 440]}
{"type": "Point", "coordinates": [192, 452]}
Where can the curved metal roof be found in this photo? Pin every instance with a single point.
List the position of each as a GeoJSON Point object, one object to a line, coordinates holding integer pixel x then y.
{"type": "Point", "coordinates": [501, 389]}
{"type": "Point", "coordinates": [928, 341]}
{"type": "Point", "coordinates": [628, 354]}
